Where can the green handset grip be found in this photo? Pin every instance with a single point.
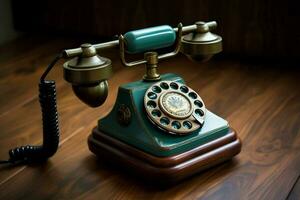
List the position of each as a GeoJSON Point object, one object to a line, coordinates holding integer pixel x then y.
{"type": "Point", "coordinates": [147, 39]}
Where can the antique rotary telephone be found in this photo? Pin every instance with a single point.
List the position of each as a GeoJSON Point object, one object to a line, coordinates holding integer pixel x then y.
{"type": "Point", "coordinates": [158, 126]}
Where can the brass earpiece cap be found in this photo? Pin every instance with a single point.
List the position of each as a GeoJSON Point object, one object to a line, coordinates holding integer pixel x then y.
{"type": "Point", "coordinates": [88, 67]}
{"type": "Point", "coordinates": [201, 44]}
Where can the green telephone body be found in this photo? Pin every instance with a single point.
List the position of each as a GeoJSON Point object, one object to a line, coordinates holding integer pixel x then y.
{"type": "Point", "coordinates": [144, 135]}
{"type": "Point", "coordinates": [129, 125]}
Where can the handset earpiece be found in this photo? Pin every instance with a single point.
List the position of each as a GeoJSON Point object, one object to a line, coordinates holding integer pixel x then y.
{"type": "Point", "coordinates": [88, 74]}
{"type": "Point", "coordinates": [200, 44]}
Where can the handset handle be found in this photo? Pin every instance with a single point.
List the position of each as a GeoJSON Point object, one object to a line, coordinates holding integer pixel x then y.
{"type": "Point", "coordinates": [149, 39]}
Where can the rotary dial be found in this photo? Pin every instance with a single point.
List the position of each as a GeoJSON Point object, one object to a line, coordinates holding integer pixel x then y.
{"type": "Point", "coordinates": [174, 107]}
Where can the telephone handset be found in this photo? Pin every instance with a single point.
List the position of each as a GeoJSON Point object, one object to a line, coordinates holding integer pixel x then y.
{"type": "Point", "coordinates": [174, 107]}
{"type": "Point", "coordinates": [158, 126]}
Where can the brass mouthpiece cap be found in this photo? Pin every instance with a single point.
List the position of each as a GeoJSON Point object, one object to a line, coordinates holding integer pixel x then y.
{"type": "Point", "coordinates": [88, 74]}
{"type": "Point", "coordinates": [201, 44]}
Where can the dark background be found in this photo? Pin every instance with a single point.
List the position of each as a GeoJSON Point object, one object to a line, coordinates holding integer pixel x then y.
{"type": "Point", "coordinates": [250, 28]}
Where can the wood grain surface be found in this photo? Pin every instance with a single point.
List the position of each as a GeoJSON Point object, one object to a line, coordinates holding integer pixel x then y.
{"type": "Point", "coordinates": [260, 101]}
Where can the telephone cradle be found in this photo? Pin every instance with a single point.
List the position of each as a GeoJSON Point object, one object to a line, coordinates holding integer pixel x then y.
{"type": "Point", "coordinates": [127, 136]}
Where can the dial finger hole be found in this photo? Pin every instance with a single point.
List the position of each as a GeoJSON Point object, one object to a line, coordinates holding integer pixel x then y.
{"type": "Point", "coordinates": [151, 104]}
{"type": "Point", "coordinates": [184, 89]}
{"type": "Point", "coordinates": [164, 121]}
{"type": "Point", "coordinates": [176, 125]}
{"type": "Point", "coordinates": [198, 103]}
{"type": "Point", "coordinates": [156, 113]}
{"type": "Point", "coordinates": [164, 85]}
{"type": "Point", "coordinates": [193, 95]}
{"type": "Point", "coordinates": [156, 89]}
{"type": "Point", "coordinates": [174, 85]}
{"type": "Point", "coordinates": [199, 112]}
{"type": "Point", "coordinates": [152, 95]}
{"type": "Point", "coordinates": [187, 125]}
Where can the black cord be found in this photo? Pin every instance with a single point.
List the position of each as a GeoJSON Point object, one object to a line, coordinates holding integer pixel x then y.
{"type": "Point", "coordinates": [50, 66]}
{"type": "Point", "coordinates": [47, 98]}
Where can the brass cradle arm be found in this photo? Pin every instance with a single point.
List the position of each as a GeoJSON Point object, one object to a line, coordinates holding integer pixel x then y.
{"type": "Point", "coordinates": [69, 53]}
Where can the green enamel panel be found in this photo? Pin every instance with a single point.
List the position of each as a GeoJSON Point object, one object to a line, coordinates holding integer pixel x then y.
{"type": "Point", "coordinates": [149, 39]}
{"type": "Point", "coordinates": [142, 134]}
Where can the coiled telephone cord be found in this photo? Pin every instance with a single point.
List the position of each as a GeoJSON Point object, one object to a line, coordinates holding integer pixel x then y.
{"type": "Point", "coordinates": [47, 99]}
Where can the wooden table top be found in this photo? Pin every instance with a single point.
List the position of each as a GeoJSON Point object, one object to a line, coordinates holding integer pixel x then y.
{"type": "Point", "coordinates": [261, 101]}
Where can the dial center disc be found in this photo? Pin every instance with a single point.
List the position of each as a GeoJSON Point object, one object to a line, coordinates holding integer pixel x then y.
{"type": "Point", "coordinates": [176, 105]}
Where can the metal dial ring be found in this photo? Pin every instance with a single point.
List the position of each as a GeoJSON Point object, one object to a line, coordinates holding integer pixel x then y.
{"type": "Point", "coordinates": [174, 107]}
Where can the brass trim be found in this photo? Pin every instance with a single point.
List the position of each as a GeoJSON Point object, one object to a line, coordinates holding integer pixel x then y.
{"type": "Point", "coordinates": [69, 53]}
{"type": "Point", "coordinates": [88, 67]}
{"type": "Point", "coordinates": [206, 48]}
{"type": "Point", "coordinates": [151, 67]}
{"type": "Point", "coordinates": [87, 76]}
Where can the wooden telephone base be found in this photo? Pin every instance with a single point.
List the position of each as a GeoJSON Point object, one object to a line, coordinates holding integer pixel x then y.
{"type": "Point", "coordinates": [165, 169]}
